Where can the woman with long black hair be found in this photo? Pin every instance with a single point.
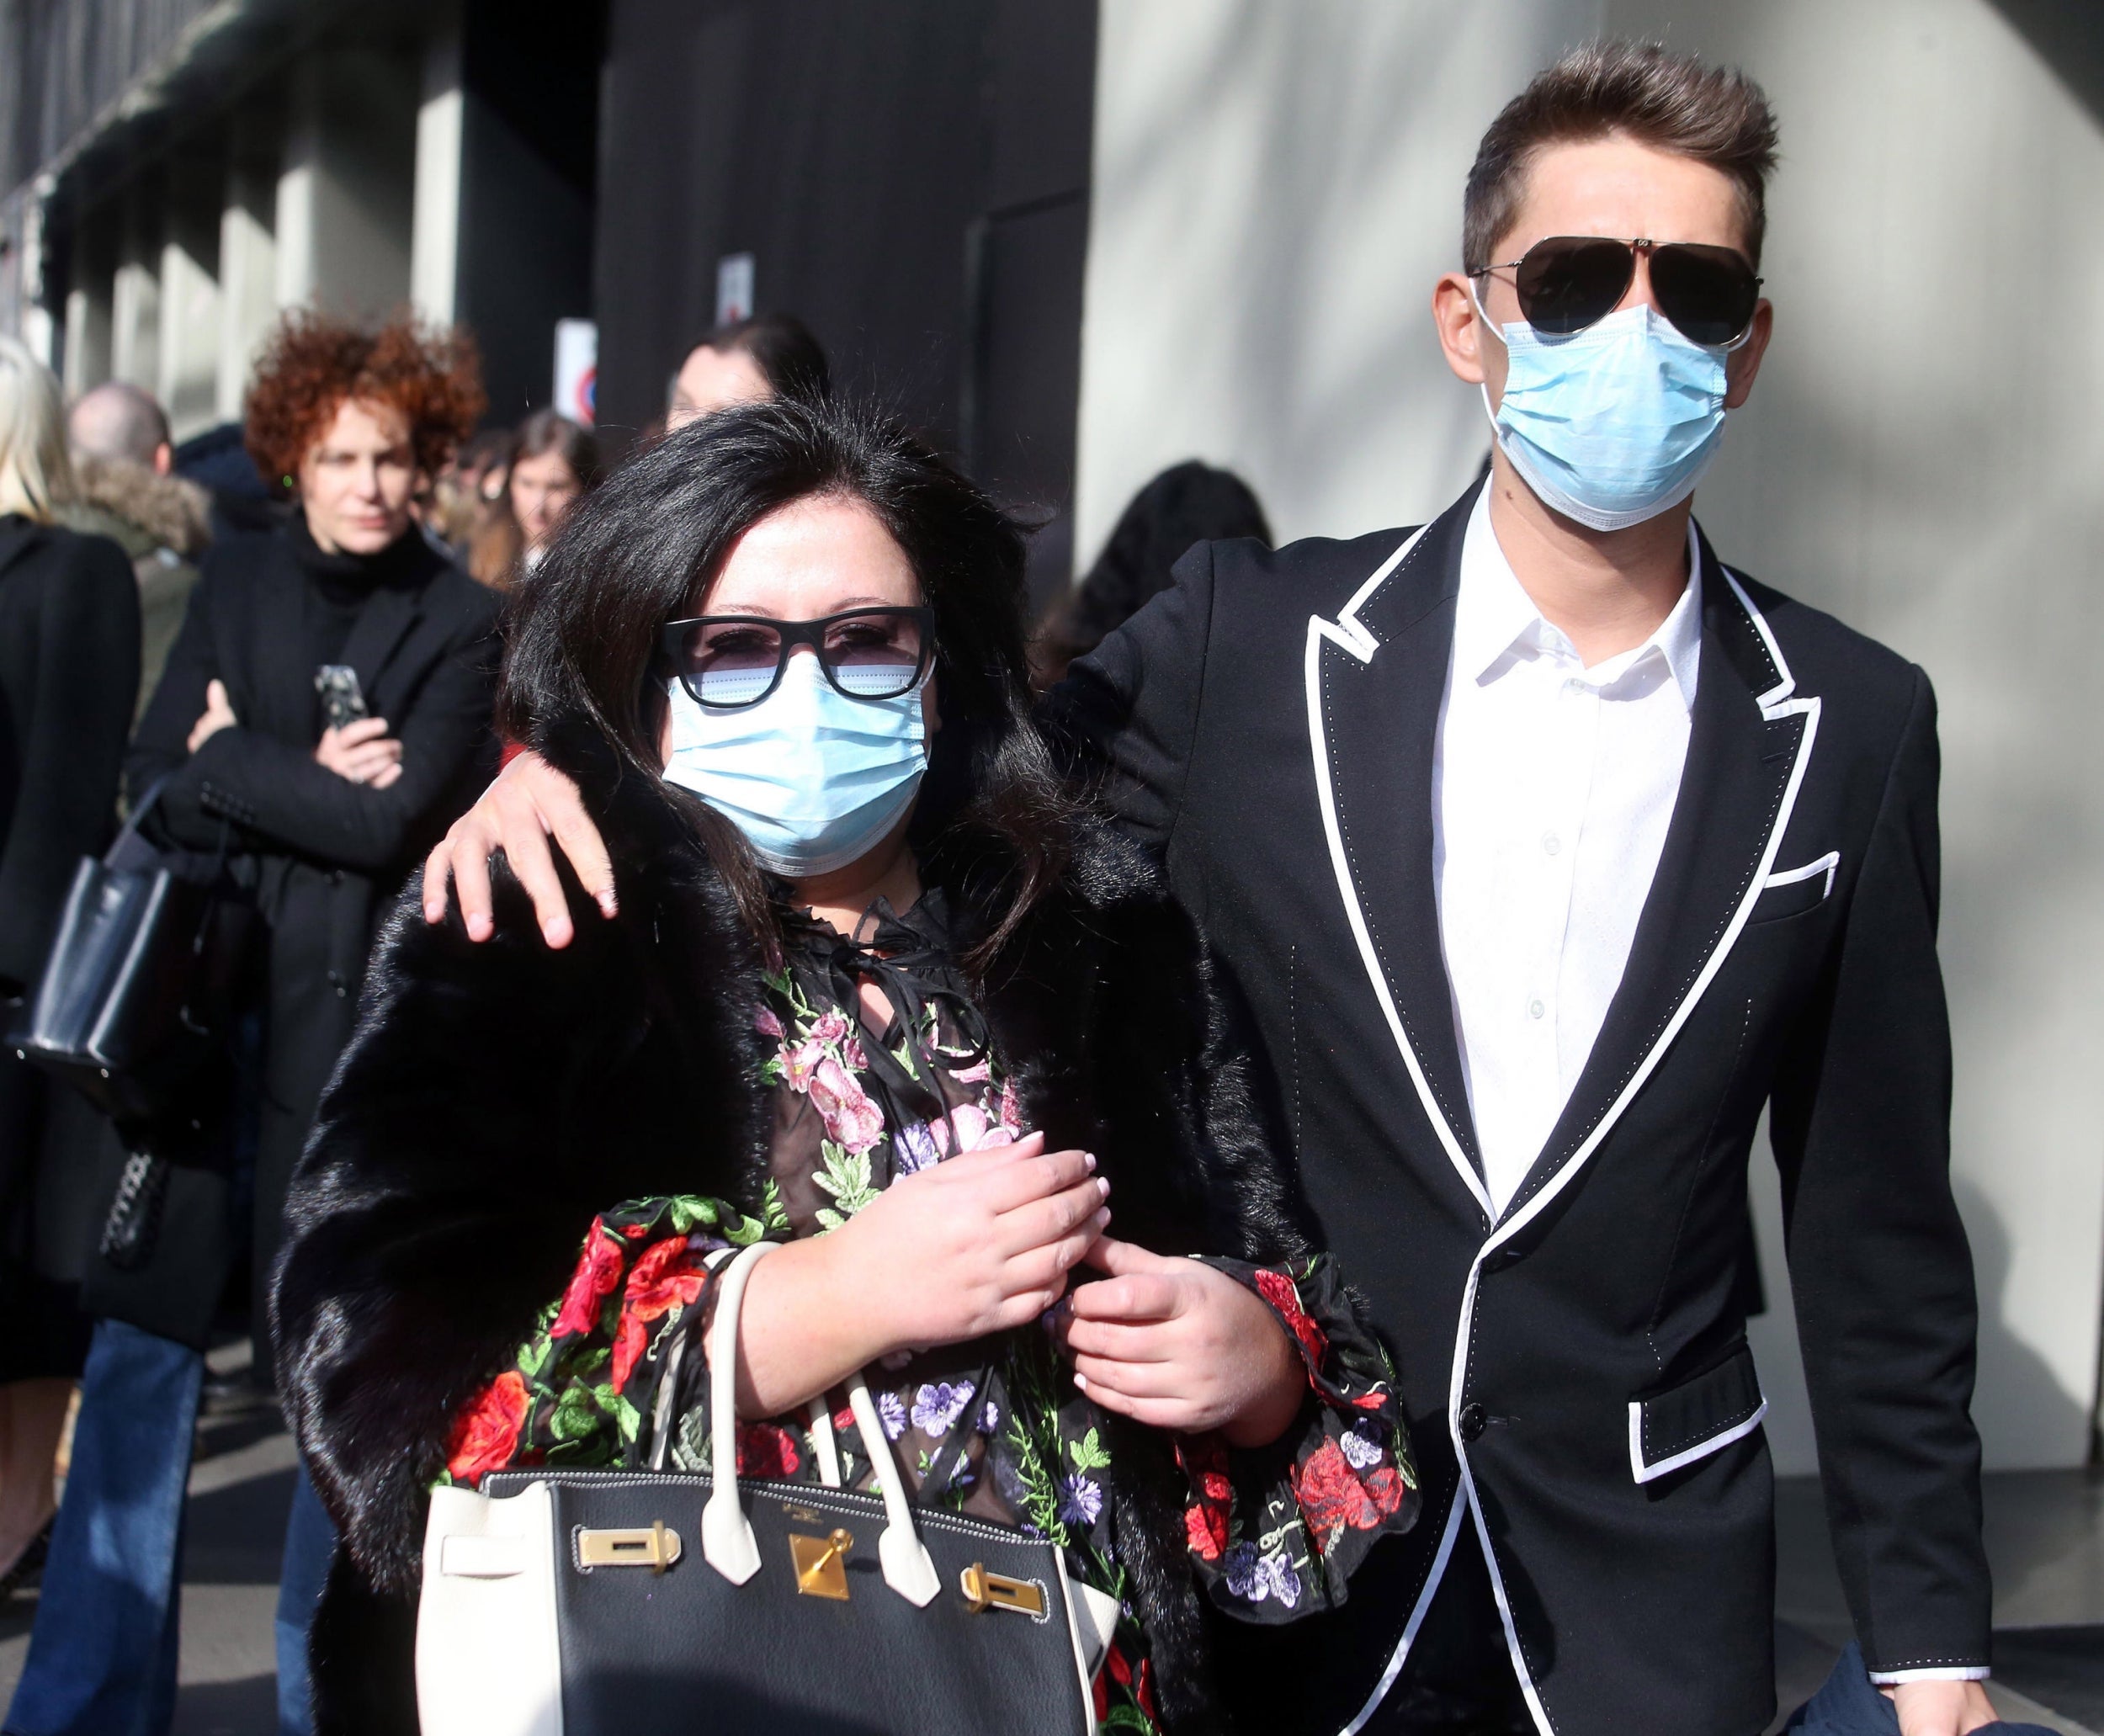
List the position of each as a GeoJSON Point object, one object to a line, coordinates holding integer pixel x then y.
{"type": "Point", "coordinates": [878, 988]}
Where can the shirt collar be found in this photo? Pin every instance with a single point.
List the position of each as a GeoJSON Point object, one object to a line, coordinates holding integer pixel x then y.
{"type": "Point", "coordinates": [1494, 618]}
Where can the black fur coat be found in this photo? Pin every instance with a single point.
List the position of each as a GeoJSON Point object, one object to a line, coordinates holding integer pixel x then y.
{"type": "Point", "coordinates": [496, 1095]}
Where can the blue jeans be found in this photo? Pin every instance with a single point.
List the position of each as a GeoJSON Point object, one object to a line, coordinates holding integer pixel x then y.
{"type": "Point", "coordinates": [309, 1547]}
{"type": "Point", "coordinates": [103, 1652]}
{"type": "Point", "coordinates": [1849, 1706]}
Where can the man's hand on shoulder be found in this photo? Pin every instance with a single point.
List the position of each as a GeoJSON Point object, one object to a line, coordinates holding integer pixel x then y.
{"type": "Point", "coordinates": [529, 802]}
{"type": "Point", "coordinates": [1939, 1708]}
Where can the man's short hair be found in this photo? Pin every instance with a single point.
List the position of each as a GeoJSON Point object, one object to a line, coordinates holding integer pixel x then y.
{"type": "Point", "coordinates": [118, 423]}
{"type": "Point", "coordinates": [781, 346]}
{"type": "Point", "coordinates": [1672, 102]}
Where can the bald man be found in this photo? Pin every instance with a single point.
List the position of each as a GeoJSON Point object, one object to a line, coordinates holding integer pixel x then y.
{"type": "Point", "coordinates": [124, 463]}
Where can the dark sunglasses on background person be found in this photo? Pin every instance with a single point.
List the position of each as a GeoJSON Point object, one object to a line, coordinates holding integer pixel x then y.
{"type": "Point", "coordinates": [1570, 282]}
{"type": "Point", "coordinates": [726, 662]}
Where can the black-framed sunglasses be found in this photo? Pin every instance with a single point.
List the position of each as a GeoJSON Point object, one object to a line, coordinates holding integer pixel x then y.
{"type": "Point", "coordinates": [1570, 282]}
{"type": "Point", "coordinates": [726, 662]}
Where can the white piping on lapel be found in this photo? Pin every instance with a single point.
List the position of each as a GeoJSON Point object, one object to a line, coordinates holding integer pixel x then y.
{"type": "Point", "coordinates": [1775, 703]}
{"type": "Point", "coordinates": [1347, 632]}
{"type": "Point", "coordinates": [1416, 1618]}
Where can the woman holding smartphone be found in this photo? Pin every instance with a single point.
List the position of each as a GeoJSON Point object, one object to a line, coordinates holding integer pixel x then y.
{"type": "Point", "coordinates": [879, 988]}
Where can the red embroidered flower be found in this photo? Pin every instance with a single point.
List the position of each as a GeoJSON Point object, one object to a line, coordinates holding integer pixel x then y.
{"type": "Point", "coordinates": [1331, 1497]}
{"type": "Point", "coordinates": [486, 1433]}
{"type": "Point", "coordinates": [666, 1277]}
{"type": "Point", "coordinates": [1372, 1400]}
{"type": "Point", "coordinates": [766, 1450]}
{"type": "Point", "coordinates": [636, 1232]}
{"type": "Point", "coordinates": [598, 1271]}
{"type": "Point", "coordinates": [1204, 1462]}
{"type": "Point", "coordinates": [1277, 1289]}
{"type": "Point", "coordinates": [1385, 1488]}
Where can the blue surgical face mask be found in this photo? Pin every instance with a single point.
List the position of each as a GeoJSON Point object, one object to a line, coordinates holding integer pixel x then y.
{"type": "Point", "coordinates": [813, 779]}
{"type": "Point", "coordinates": [1613, 424]}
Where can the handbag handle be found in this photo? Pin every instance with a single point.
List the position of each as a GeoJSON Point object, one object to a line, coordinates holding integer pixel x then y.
{"type": "Point", "coordinates": [727, 1542]}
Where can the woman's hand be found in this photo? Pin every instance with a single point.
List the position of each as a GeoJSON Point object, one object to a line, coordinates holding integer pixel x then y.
{"type": "Point", "coordinates": [529, 802]}
{"type": "Point", "coordinates": [363, 752]}
{"type": "Point", "coordinates": [218, 715]}
{"type": "Point", "coordinates": [1941, 1708]}
{"type": "Point", "coordinates": [977, 1244]}
{"type": "Point", "coordinates": [1176, 1345]}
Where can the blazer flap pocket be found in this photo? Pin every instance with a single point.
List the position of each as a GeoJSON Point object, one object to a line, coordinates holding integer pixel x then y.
{"type": "Point", "coordinates": [1698, 1417]}
{"type": "Point", "coordinates": [1791, 892]}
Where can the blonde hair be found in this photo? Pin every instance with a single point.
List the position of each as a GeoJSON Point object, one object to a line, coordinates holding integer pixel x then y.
{"type": "Point", "coordinates": [35, 474]}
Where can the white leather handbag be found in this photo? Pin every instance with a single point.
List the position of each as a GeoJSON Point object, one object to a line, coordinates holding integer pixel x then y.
{"type": "Point", "coordinates": [569, 1603]}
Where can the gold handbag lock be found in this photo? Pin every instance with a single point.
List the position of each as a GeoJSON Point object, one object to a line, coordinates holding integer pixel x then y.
{"type": "Point", "coordinates": [984, 1590]}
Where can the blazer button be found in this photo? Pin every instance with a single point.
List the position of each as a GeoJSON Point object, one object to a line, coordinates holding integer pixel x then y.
{"type": "Point", "coordinates": [1474, 1420]}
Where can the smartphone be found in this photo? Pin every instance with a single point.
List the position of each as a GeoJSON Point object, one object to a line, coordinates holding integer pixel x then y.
{"type": "Point", "coordinates": [342, 700]}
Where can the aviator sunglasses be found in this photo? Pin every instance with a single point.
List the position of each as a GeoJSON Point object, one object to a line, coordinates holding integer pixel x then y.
{"type": "Point", "coordinates": [1570, 282]}
{"type": "Point", "coordinates": [726, 662]}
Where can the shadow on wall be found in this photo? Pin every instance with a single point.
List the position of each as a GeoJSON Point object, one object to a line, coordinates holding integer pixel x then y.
{"type": "Point", "coordinates": [2069, 38]}
{"type": "Point", "coordinates": [2012, 1375]}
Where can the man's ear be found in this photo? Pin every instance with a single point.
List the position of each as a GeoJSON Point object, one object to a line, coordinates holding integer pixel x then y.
{"type": "Point", "coordinates": [1462, 339]}
{"type": "Point", "coordinates": [163, 459]}
{"type": "Point", "coordinates": [1743, 363]}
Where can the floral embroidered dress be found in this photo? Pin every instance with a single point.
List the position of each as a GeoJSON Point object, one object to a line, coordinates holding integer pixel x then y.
{"type": "Point", "coordinates": [995, 1428]}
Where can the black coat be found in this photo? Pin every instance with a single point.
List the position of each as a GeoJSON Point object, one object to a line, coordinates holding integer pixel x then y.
{"type": "Point", "coordinates": [497, 1096]}
{"type": "Point", "coordinates": [1576, 1371]}
{"type": "Point", "coordinates": [325, 852]}
{"type": "Point", "coordinates": [69, 669]}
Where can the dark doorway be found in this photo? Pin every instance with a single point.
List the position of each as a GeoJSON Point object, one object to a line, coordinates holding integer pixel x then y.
{"type": "Point", "coordinates": [912, 180]}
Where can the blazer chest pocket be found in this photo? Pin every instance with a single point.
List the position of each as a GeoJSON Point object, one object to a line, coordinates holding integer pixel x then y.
{"type": "Point", "coordinates": [1791, 892]}
{"type": "Point", "coordinates": [1675, 1427]}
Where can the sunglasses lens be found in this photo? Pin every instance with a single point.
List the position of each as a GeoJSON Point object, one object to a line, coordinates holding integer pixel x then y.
{"type": "Point", "coordinates": [1570, 282]}
{"type": "Point", "coordinates": [1709, 293]}
{"type": "Point", "coordinates": [728, 663]}
{"type": "Point", "coordinates": [876, 655]}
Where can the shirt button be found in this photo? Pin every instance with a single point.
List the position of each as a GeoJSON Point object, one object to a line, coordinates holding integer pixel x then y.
{"type": "Point", "coordinates": [1574, 686]}
{"type": "Point", "coordinates": [1474, 1420]}
{"type": "Point", "coordinates": [1535, 1009]}
{"type": "Point", "coordinates": [1551, 843]}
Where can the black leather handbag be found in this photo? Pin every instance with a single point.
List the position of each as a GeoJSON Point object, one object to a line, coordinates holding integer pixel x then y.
{"type": "Point", "coordinates": [574, 1603]}
{"type": "Point", "coordinates": [138, 993]}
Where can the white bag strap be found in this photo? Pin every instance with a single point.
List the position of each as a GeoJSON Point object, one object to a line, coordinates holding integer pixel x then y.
{"type": "Point", "coordinates": [727, 1542]}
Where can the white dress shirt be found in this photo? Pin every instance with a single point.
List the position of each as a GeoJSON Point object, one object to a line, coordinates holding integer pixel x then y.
{"type": "Point", "coordinates": [1552, 788]}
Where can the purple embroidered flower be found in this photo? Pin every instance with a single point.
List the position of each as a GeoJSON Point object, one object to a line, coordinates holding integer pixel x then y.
{"type": "Point", "coordinates": [1011, 1110]}
{"type": "Point", "coordinates": [1253, 1578]}
{"type": "Point", "coordinates": [800, 1065]}
{"type": "Point", "coordinates": [979, 1073]}
{"type": "Point", "coordinates": [767, 1025]}
{"type": "Point", "coordinates": [1362, 1447]}
{"type": "Point", "coordinates": [854, 1056]}
{"type": "Point", "coordinates": [830, 1028]}
{"type": "Point", "coordinates": [939, 1405]}
{"type": "Point", "coordinates": [990, 1418]}
{"type": "Point", "coordinates": [914, 1149]}
{"type": "Point", "coordinates": [1084, 1503]}
{"type": "Point", "coordinates": [891, 1413]}
{"type": "Point", "coordinates": [848, 1114]}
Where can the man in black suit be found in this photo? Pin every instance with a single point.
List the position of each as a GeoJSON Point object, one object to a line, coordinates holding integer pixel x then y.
{"type": "Point", "coordinates": [1548, 850]}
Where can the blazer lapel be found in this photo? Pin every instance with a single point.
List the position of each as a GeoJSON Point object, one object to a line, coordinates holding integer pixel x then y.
{"type": "Point", "coordinates": [1374, 679]}
{"type": "Point", "coordinates": [1750, 741]}
{"type": "Point", "coordinates": [382, 625]}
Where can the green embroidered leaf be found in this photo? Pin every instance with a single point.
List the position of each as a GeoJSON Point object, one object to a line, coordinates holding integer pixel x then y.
{"type": "Point", "coordinates": [592, 1361]}
{"type": "Point", "coordinates": [846, 1176]}
{"type": "Point", "coordinates": [772, 1212]}
{"type": "Point", "coordinates": [534, 1357]}
{"type": "Point", "coordinates": [689, 1209]}
{"type": "Point", "coordinates": [1125, 1717]}
{"type": "Point", "coordinates": [1087, 1453]}
{"type": "Point", "coordinates": [626, 1417]}
{"type": "Point", "coordinates": [576, 1414]}
{"type": "Point", "coordinates": [828, 1218]}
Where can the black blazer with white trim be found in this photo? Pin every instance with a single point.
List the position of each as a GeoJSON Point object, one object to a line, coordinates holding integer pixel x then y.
{"type": "Point", "coordinates": [1575, 1369]}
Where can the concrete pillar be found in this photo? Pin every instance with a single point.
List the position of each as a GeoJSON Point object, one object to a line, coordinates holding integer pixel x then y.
{"type": "Point", "coordinates": [188, 383]}
{"type": "Point", "coordinates": [90, 272]}
{"type": "Point", "coordinates": [435, 250]}
{"type": "Point", "coordinates": [134, 336]}
{"type": "Point", "coordinates": [247, 262]}
{"type": "Point", "coordinates": [345, 190]}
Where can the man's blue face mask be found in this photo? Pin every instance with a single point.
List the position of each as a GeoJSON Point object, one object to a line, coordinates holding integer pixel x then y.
{"type": "Point", "coordinates": [1611, 425]}
{"type": "Point", "coordinates": [813, 779]}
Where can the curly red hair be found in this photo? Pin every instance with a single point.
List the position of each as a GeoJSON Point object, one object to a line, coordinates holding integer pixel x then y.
{"type": "Point", "coordinates": [312, 364]}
